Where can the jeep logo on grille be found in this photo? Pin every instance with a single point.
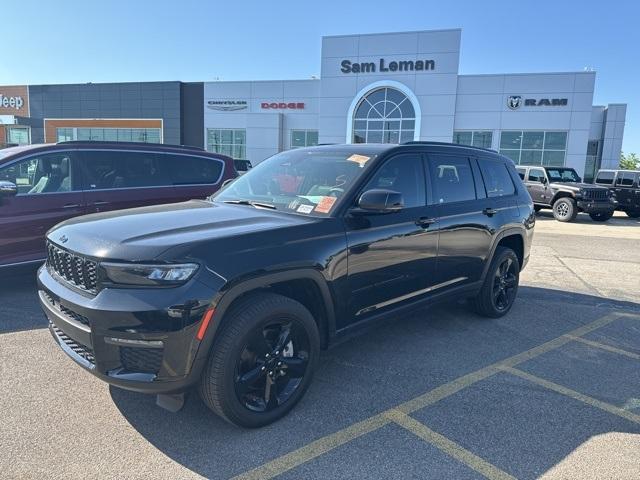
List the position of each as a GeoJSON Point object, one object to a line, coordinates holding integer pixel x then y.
{"type": "Point", "coordinates": [64, 239]}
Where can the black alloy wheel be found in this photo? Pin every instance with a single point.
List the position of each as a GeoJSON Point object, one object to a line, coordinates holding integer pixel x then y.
{"type": "Point", "coordinates": [505, 282]}
{"type": "Point", "coordinates": [262, 360]}
{"type": "Point", "coordinates": [272, 365]}
{"type": "Point", "coordinates": [565, 209]}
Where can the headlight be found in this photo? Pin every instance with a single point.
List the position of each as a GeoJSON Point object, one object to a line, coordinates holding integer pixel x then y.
{"type": "Point", "coordinates": [144, 274]}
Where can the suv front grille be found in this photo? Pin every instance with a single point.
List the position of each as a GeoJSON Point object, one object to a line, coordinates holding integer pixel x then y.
{"type": "Point", "coordinates": [75, 269]}
{"type": "Point", "coordinates": [81, 350]}
{"type": "Point", "coordinates": [596, 195]}
{"type": "Point", "coordinates": [142, 360]}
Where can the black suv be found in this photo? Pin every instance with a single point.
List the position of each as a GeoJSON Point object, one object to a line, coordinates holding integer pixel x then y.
{"type": "Point", "coordinates": [238, 293]}
{"type": "Point", "coordinates": [562, 190]}
{"type": "Point", "coordinates": [625, 185]}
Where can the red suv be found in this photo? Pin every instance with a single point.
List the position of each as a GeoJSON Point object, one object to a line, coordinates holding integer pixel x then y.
{"type": "Point", "coordinates": [42, 185]}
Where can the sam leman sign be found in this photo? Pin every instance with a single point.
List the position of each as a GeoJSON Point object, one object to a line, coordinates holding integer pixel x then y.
{"type": "Point", "coordinates": [347, 66]}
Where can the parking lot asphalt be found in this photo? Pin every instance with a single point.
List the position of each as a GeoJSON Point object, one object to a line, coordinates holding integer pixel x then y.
{"type": "Point", "coordinates": [551, 390]}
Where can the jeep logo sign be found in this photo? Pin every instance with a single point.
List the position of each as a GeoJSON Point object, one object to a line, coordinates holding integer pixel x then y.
{"type": "Point", "coordinates": [11, 102]}
{"type": "Point", "coordinates": [515, 101]}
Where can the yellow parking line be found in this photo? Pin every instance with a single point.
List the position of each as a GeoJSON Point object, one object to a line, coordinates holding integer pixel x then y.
{"type": "Point", "coordinates": [607, 407]}
{"type": "Point", "coordinates": [325, 444]}
{"type": "Point", "coordinates": [448, 446]}
{"type": "Point", "coordinates": [608, 348]}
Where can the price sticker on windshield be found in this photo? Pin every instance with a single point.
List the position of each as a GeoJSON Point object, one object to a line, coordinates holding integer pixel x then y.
{"type": "Point", "coordinates": [359, 159]}
{"type": "Point", "coordinates": [325, 204]}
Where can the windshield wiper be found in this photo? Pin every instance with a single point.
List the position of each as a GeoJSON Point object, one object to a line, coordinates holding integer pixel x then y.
{"type": "Point", "coordinates": [252, 203]}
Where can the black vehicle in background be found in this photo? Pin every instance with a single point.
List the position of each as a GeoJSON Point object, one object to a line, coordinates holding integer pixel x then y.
{"type": "Point", "coordinates": [625, 185]}
{"type": "Point", "coordinates": [242, 166]}
{"type": "Point", "coordinates": [562, 190]}
{"type": "Point", "coordinates": [237, 294]}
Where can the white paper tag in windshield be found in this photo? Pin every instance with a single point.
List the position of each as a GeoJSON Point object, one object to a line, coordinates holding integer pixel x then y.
{"type": "Point", "coordinates": [305, 209]}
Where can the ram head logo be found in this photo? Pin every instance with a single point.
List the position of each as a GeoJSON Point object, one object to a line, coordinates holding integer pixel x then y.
{"type": "Point", "coordinates": [514, 101]}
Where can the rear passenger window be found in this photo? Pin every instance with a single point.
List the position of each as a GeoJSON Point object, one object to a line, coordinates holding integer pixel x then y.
{"type": "Point", "coordinates": [110, 169]}
{"type": "Point", "coordinates": [451, 179]}
{"type": "Point", "coordinates": [625, 179]}
{"type": "Point", "coordinates": [521, 172]}
{"type": "Point", "coordinates": [497, 180]}
{"type": "Point", "coordinates": [605, 178]}
{"type": "Point", "coordinates": [189, 170]}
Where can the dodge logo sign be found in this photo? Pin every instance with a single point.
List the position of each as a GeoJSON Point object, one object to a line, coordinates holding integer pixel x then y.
{"type": "Point", "coordinates": [282, 105]}
{"type": "Point", "coordinates": [514, 101]}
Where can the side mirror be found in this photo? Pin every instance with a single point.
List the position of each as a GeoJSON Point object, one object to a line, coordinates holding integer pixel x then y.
{"type": "Point", "coordinates": [381, 201]}
{"type": "Point", "coordinates": [8, 189]}
{"type": "Point", "coordinates": [544, 180]}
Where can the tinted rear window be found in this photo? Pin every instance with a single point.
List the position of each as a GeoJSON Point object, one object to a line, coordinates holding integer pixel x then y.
{"type": "Point", "coordinates": [109, 169]}
{"type": "Point", "coordinates": [625, 179]}
{"type": "Point", "coordinates": [451, 179]}
{"type": "Point", "coordinates": [497, 180]}
{"type": "Point", "coordinates": [185, 169]}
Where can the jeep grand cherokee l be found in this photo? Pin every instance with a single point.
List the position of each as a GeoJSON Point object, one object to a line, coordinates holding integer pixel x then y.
{"type": "Point", "coordinates": [562, 190]}
{"type": "Point", "coordinates": [41, 185]}
{"type": "Point", "coordinates": [237, 294]}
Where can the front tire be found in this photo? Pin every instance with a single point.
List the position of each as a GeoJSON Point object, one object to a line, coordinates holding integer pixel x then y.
{"type": "Point", "coordinates": [500, 286]}
{"type": "Point", "coordinates": [565, 209]}
{"type": "Point", "coordinates": [601, 216]}
{"type": "Point", "coordinates": [262, 361]}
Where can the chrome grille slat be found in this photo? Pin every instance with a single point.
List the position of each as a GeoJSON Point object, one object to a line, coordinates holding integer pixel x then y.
{"type": "Point", "coordinates": [74, 269]}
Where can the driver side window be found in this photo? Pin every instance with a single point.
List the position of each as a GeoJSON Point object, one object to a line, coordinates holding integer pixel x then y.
{"type": "Point", "coordinates": [536, 175]}
{"type": "Point", "coordinates": [404, 174]}
{"type": "Point", "coordinates": [50, 173]}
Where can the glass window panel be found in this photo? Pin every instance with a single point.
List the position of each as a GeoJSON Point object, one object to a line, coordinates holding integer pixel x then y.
{"type": "Point", "coordinates": [111, 134]}
{"type": "Point", "coordinates": [482, 139]}
{"type": "Point", "coordinates": [360, 136]}
{"type": "Point", "coordinates": [392, 125]}
{"type": "Point", "coordinates": [374, 136]}
{"type": "Point", "coordinates": [510, 140]}
{"type": "Point", "coordinates": [555, 140]}
{"type": "Point", "coordinates": [395, 96]}
{"type": "Point", "coordinates": [395, 113]}
{"type": "Point", "coordinates": [84, 133]}
{"type": "Point", "coordinates": [226, 136]}
{"type": "Point", "coordinates": [404, 174]}
{"type": "Point", "coordinates": [531, 157]}
{"type": "Point", "coordinates": [376, 96]}
{"type": "Point", "coordinates": [239, 136]}
{"type": "Point", "coordinates": [362, 110]}
{"type": "Point", "coordinates": [124, 134]}
{"type": "Point", "coordinates": [512, 154]}
{"type": "Point", "coordinates": [497, 180]}
{"type": "Point", "coordinates": [360, 124]}
{"type": "Point", "coordinates": [553, 158]}
{"type": "Point", "coordinates": [451, 179]}
{"type": "Point", "coordinates": [18, 135]}
{"type": "Point", "coordinates": [408, 124]}
{"type": "Point", "coordinates": [406, 136]}
{"type": "Point", "coordinates": [392, 136]}
{"type": "Point", "coordinates": [298, 138]}
{"type": "Point", "coordinates": [312, 137]}
{"type": "Point", "coordinates": [462, 138]}
{"type": "Point", "coordinates": [407, 109]}
{"type": "Point", "coordinates": [64, 134]}
{"type": "Point", "coordinates": [373, 112]}
{"type": "Point", "coordinates": [375, 125]}
{"type": "Point", "coordinates": [532, 140]}
{"type": "Point", "coordinates": [153, 135]}
{"type": "Point", "coordinates": [605, 178]}
{"type": "Point", "coordinates": [48, 173]}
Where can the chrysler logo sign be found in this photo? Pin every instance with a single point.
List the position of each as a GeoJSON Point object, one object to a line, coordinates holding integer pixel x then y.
{"type": "Point", "coordinates": [515, 101]}
{"type": "Point", "coordinates": [227, 105]}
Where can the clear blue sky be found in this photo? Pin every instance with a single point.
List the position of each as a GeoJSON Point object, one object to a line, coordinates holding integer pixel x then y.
{"type": "Point", "coordinates": [67, 41]}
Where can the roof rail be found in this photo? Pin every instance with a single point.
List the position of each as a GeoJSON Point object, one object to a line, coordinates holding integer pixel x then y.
{"type": "Point", "coordinates": [447, 144]}
{"type": "Point", "coordinates": [146, 144]}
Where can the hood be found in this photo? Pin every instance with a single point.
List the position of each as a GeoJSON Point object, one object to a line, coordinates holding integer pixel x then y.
{"type": "Point", "coordinates": [577, 186]}
{"type": "Point", "coordinates": [141, 234]}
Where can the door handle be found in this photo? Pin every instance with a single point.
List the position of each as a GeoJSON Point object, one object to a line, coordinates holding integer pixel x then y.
{"type": "Point", "coordinates": [424, 222]}
{"type": "Point", "coordinates": [489, 212]}
{"type": "Point", "coordinates": [71, 205]}
{"type": "Point", "coordinates": [99, 203]}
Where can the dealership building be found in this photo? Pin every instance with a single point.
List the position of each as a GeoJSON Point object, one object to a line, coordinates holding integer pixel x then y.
{"type": "Point", "coordinates": [390, 87]}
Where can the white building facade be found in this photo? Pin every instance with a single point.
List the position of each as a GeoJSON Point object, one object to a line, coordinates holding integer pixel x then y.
{"type": "Point", "coordinates": [398, 87]}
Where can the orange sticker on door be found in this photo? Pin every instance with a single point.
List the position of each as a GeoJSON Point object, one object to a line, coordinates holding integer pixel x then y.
{"type": "Point", "coordinates": [325, 204]}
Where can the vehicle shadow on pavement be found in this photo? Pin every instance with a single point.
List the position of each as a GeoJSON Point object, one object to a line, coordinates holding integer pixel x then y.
{"type": "Point", "coordinates": [520, 427]}
{"type": "Point", "coordinates": [19, 308]}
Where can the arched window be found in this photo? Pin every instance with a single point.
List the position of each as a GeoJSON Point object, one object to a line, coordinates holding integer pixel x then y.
{"type": "Point", "coordinates": [384, 115]}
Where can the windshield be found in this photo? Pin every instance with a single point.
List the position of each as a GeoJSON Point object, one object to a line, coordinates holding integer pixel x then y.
{"type": "Point", "coordinates": [563, 175]}
{"type": "Point", "coordinates": [309, 182]}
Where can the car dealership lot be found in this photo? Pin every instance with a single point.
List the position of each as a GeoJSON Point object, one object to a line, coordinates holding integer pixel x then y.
{"type": "Point", "coordinates": [550, 390]}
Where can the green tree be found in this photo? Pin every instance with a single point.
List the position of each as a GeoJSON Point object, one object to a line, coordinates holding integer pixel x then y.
{"type": "Point", "coordinates": [631, 161]}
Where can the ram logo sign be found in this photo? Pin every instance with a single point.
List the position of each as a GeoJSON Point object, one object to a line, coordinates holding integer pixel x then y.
{"type": "Point", "coordinates": [515, 101]}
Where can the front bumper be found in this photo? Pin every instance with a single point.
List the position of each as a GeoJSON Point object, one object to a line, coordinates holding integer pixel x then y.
{"type": "Point", "coordinates": [590, 206]}
{"type": "Point", "coordinates": [138, 339]}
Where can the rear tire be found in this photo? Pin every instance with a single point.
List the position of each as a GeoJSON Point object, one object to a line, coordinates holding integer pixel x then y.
{"type": "Point", "coordinates": [565, 209]}
{"type": "Point", "coordinates": [262, 361]}
{"type": "Point", "coordinates": [500, 286]}
{"type": "Point", "coordinates": [634, 214]}
{"type": "Point", "coordinates": [601, 217]}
